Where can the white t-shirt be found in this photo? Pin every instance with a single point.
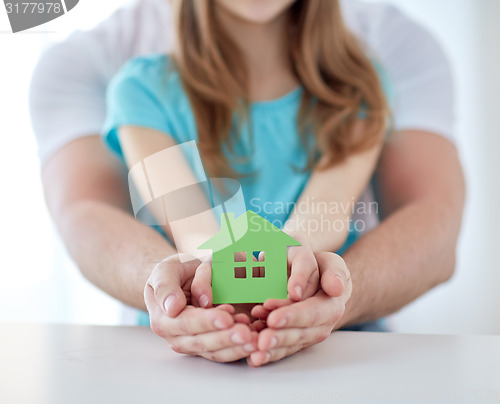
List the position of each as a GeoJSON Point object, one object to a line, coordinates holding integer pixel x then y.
{"type": "Point", "coordinates": [68, 88]}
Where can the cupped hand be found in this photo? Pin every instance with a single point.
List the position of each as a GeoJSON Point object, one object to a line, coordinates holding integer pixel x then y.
{"type": "Point", "coordinates": [293, 326]}
{"type": "Point", "coordinates": [218, 334]}
{"type": "Point", "coordinates": [303, 282]}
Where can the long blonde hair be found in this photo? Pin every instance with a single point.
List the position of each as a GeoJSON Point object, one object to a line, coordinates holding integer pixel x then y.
{"type": "Point", "coordinates": [337, 77]}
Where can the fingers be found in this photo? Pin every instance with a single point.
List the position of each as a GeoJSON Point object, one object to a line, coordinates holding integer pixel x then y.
{"type": "Point", "coordinates": [241, 318]}
{"type": "Point", "coordinates": [201, 288]}
{"type": "Point", "coordinates": [292, 326]}
{"type": "Point", "coordinates": [304, 274]}
{"type": "Point", "coordinates": [272, 304]}
{"type": "Point", "coordinates": [274, 345]}
{"type": "Point", "coordinates": [260, 358]}
{"type": "Point", "coordinates": [258, 325]}
{"type": "Point", "coordinates": [227, 355]}
{"type": "Point", "coordinates": [166, 282]}
{"type": "Point", "coordinates": [191, 321]}
{"type": "Point", "coordinates": [221, 333]}
{"type": "Point", "coordinates": [238, 336]}
{"type": "Point", "coordinates": [335, 277]}
{"type": "Point", "coordinates": [317, 310]}
{"type": "Point", "coordinates": [262, 311]}
{"type": "Point", "coordinates": [270, 339]}
{"type": "Point", "coordinates": [211, 333]}
{"type": "Point", "coordinates": [226, 307]}
{"type": "Point", "coordinates": [194, 320]}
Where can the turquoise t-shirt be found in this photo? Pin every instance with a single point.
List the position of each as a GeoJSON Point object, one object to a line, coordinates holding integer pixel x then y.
{"type": "Point", "coordinates": [148, 92]}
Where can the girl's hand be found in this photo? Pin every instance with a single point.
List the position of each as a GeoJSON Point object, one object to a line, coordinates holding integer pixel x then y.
{"type": "Point", "coordinates": [303, 281]}
{"type": "Point", "coordinates": [216, 334]}
{"type": "Point", "coordinates": [303, 272]}
{"type": "Point", "coordinates": [291, 326]}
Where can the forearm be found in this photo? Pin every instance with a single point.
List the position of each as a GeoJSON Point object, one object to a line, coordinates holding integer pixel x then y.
{"type": "Point", "coordinates": [321, 232]}
{"type": "Point", "coordinates": [112, 249]}
{"type": "Point", "coordinates": [324, 209]}
{"type": "Point", "coordinates": [409, 253]}
{"type": "Point", "coordinates": [86, 192]}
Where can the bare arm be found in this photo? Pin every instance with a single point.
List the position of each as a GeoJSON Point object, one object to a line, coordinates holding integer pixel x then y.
{"type": "Point", "coordinates": [329, 198]}
{"type": "Point", "coordinates": [413, 249]}
{"type": "Point", "coordinates": [171, 171]}
{"type": "Point", "coordinates": [87, 195]}
{"type": "Point", "coordinates": [89, 201]}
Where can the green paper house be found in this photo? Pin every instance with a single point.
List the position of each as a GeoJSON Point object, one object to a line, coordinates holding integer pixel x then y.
{"type": "Point", "coordinates": [236, 276]}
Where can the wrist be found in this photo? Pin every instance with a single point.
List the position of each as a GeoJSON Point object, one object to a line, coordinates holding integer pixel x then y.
{"type": "Point", "coordinates": [353, 310]}
{"type": "Point", "coordinates": [330, 240]}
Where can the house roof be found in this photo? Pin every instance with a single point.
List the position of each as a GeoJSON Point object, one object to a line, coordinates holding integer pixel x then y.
{"type": "Point", "coordinates": [249, 225]}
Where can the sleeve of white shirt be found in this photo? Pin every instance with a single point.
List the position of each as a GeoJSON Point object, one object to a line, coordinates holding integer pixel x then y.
{"type": "Point", "coordinates": [415, 63]}
{"type": "Point", "coordinates": [68, 87]}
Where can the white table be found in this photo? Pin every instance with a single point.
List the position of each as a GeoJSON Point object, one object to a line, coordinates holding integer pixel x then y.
{"type": "Point", "coordinates": [58, 364]}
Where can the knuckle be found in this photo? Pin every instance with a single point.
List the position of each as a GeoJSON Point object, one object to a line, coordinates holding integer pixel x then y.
{"type": "Point", "coordinates": [157, 328]}
{"type": "Point", "coordinates": [177, 348]}
{"type": "Point", "coordinates": [301, 338]}
{"type": "Point", "coordinates": [155, 278]}
{"type": "Point", "coordinates": [337, 315]}
{"type": "Point", "coordinates": [314, 266]}
{"type": "Point", "coordinates": [280, 354]}
{"type": "Point", "coordinates": [241, 329]}
{"type": "Point", "coordinates": [342, 266]}
{"type": "Point", "coordinates": [182, 326]}
{"type": "Point", "coordinates": [227, 355]}
{"type": "Point", "coordinates": [307, 266]}
{"type": "Point", "coordinates": [314, 317]}
{"type": "Point", "coordinates": [212, 356]}
{"type": "Point", "coordinates": [322, 336]}
{"type": "Point", "coordinates": [302, 276]}
{"type": "Point", "coordinates": [197, 346]}
{"type": "Point", "coordinates": [313, 279]}
{"type": "Point", "coordinates": [150, 282]}
{"type": "Point", "coordinates": [293, 349]}
{"type": "Point", "coordinates": [160, 289]}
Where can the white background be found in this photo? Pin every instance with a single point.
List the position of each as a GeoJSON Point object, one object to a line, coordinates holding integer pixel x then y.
{"type": "Point", "coordinates": [39, 283]}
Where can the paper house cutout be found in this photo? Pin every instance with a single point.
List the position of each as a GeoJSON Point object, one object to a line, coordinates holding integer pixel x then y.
{"type": "Point", "coordinates": [236, 277]}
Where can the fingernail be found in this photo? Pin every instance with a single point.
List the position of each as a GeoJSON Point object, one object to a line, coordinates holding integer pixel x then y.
{"type": "Point", "coordinates": [298, 290]}
{"type": "Point", "coordinates": [203, 300]}
{"type": "Point", "coordinates": [219, 324]}
{"type": "Point", "coordinates": [274, 342]}
{"type": "Point", "coordinates": [268, 356]}
{"type": "Point", "coordinates": [282, 323]}
{"type": "Point", "coordinates": [237, 339]}
{"type": "Point", "coordinates": [169, 301]}
{"type": "Point", "coordinates": [249, 347]}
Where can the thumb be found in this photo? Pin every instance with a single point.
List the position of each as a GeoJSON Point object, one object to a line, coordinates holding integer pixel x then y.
{"type": "Point", "coordinates": [166, 282]}
{"type": "Point", "coordinates": [335, 277]}
{"type": "Point", "coordinates": [201, 288]}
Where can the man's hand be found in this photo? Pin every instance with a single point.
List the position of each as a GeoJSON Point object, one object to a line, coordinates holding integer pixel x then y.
{"type": "Point", "coordinates": [292, 327]}
{"type": "Point", "coordinates": [216, 333]}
